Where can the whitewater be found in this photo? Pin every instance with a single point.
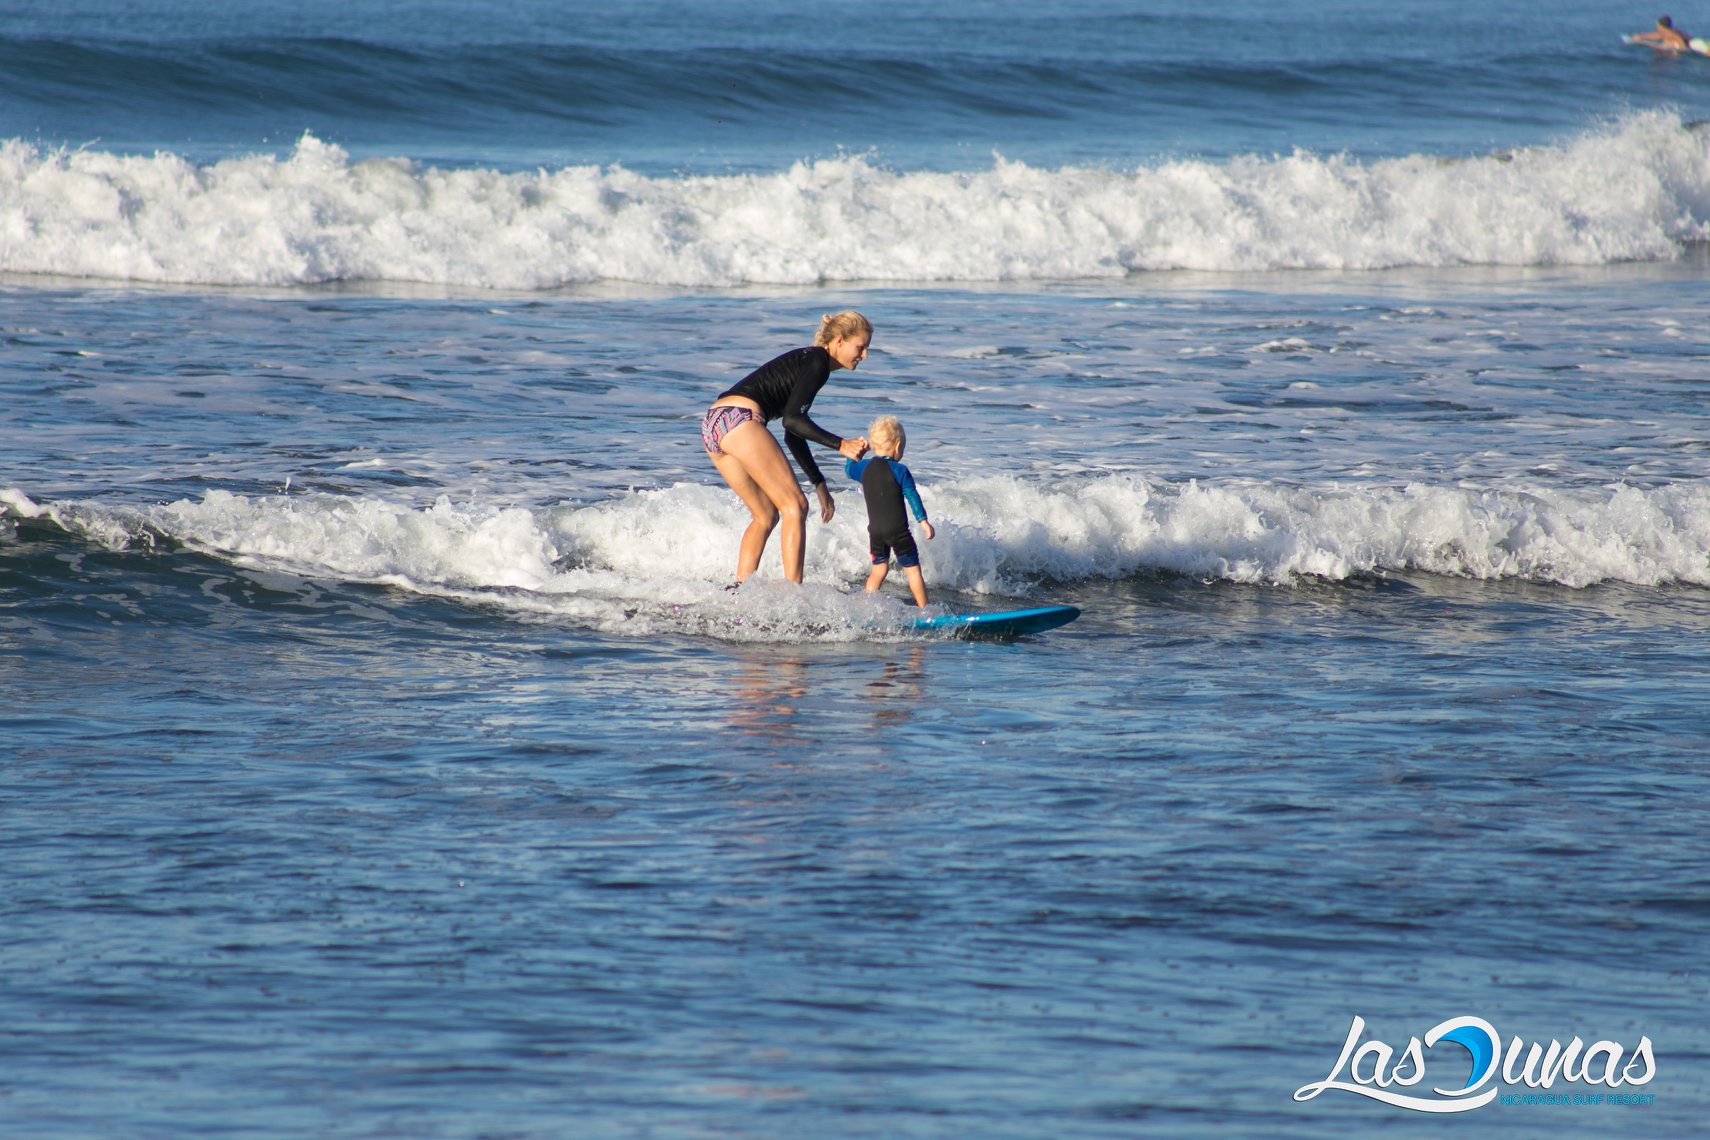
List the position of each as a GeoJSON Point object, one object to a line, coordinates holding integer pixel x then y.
{"type": "Point", "coordinates": [1008, 537]}
{"type": "Point", "coordinates": [1637, 189]}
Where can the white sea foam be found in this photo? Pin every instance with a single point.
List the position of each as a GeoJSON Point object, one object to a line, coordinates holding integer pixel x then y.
{"type": "Point", "coordinates": [657, 560]}
{"type": "Point", "coordinates": [1634, 190]}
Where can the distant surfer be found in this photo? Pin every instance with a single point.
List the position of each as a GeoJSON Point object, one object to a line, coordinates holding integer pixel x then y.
{"type": "Point", "coordinates": [1667, 37]}
{"type": "Point", "coordinates": [748, 456]}
{"type": "Point", "coordinates": [888, 485]}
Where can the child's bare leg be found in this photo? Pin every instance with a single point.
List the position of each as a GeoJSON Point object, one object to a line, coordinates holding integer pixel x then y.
{"type": "Point", "coordinates": [916, 585]}
{"type": "Point", "coordinates": [876, 576]}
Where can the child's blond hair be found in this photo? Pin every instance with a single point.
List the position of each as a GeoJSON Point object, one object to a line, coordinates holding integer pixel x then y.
{"type": "Point", "coordinates": [885, 435]}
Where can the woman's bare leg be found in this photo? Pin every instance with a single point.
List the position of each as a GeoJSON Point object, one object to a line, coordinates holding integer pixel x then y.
{"type": "Point", "coordinates": [757, 470]}
{"type": "Point", "coordinates": [765, 515]}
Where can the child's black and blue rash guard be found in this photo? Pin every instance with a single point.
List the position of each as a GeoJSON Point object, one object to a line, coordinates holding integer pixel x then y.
{"type": "Point", "coordinates": [887, 485]}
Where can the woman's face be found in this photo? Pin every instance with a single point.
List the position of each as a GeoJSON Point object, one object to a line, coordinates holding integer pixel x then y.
{"type": "Point", "coordinates": [848, 351]}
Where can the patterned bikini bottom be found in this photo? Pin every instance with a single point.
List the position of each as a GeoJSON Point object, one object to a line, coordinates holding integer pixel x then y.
{"type": "Point", "coordinates": [718, 422]}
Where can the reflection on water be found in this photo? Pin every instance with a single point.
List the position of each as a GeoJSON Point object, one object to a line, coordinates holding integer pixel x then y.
{"type": "Point", "coordinates": [795, 696]}
{"type": "Point", "coordinates": [766, 700]}
{"type": "Point", "coordinates": [898, 688]}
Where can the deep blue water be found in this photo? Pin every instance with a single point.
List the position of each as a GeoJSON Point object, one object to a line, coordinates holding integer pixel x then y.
{"type": "Point", "coordinates": [673, 85]}
{"type": "Point", "coordinates": [383, 757]}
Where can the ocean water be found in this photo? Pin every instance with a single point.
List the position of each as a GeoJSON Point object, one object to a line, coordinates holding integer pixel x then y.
{"type": "Point", "coordinates": [383, 756]}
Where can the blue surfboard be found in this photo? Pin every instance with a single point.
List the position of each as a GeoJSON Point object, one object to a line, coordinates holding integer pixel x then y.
{"type": "Point", "coordinates": [1002, 623]}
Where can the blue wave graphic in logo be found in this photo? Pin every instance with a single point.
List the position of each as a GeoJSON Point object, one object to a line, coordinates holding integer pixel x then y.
{"type": "Point", "coordinates": [1478, 1043]}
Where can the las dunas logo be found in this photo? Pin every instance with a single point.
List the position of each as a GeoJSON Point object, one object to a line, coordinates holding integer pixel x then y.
{"type": "Point", "coordinates": [1372, 1069]}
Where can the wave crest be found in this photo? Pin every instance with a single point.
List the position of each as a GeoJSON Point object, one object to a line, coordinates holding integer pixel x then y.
{"type": "Point", "coordinates": [1636, 190]}
{"type": "Point", "coordinates": [995, 535]}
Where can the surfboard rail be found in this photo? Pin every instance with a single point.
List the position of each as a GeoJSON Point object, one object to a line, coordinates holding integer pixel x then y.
{"type": "Point", "coordinates": [998, 623]}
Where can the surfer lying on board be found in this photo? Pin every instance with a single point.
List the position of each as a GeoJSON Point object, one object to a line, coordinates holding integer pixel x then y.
{"type": "Point", "coordinates": [887, 485]}
{"type": "Point", "coordinates": [748, 456]}
{"type": "Point", "coordinates": [1667, 37]}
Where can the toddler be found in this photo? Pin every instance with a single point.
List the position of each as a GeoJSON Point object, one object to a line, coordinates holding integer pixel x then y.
{"type": "Point", "coordinates": [888, 485]}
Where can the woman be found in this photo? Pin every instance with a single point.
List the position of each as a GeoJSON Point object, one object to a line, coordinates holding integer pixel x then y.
{"type": "Point", "coordinates": [748, 456]}
{"type": "Point", "coordinates": [1667, 37]}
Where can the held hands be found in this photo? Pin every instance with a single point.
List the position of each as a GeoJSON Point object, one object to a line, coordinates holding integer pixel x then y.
{"type": "Point", "coordinates": [853, 447]}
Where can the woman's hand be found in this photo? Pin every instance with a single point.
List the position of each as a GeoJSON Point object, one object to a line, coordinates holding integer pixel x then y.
{"type": "Point", "coordinates": [853, 448]}
{"type": "Point", "coordinates": [827, 507]}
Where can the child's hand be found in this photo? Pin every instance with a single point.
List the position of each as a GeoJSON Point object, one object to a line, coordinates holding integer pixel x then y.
{"type": "Point", "coordinates": [853, 448]}
{"type": "Point", "coordinates": [926, 528]}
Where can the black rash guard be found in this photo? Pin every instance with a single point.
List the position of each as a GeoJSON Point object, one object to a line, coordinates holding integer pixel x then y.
{"type": "Point", "coordinates": [784, 387]}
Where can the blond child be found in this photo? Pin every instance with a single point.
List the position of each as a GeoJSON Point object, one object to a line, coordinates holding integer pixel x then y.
{"type": "Point", "coordinates": [888, 486]}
